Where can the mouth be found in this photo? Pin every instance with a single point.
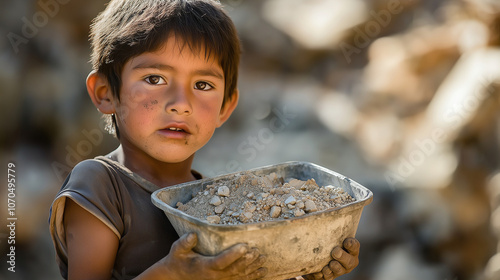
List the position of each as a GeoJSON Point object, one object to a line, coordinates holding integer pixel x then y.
{"type": "Point", "coordinates": [175, 130]}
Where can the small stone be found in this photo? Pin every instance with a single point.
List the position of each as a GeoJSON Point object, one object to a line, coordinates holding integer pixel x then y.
{"type": "Point", "coordinates": [298, 212]}
{"type": "Point", "coordinates": [245, 217]}
{"type": "Point", "coordinates": [310, 206]}
{"type": "Point", "coordinates": [290, 200]}
{"type": "Point", "coordinates": [215, 201]}
{"type": "Point", "coordinates": [264, 195]}
{"type": "Point", "coordinates": [300, 205]}
{"type": "Point", "coordinates": [275, 211]}
{"type": "Point", "coordinates": [296, 183]}
{"type": "Point", "coordinates": [233, 206]}
{"type": "Point", "coordinates": [214, 219]}
{"type": "Point", "coordinates": [250, 207]}
{"type": "Point", "coordinates": [250, 195]}
{"type": "Point", "coordinates": [219, 209]}
{"type": "Point", "coordinates": [266, 182]}
{"type": "Point", "coordinates": [223, 191]}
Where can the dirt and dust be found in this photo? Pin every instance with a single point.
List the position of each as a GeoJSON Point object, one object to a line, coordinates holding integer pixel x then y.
{"type": "Point", "coordinates": [250, 198]}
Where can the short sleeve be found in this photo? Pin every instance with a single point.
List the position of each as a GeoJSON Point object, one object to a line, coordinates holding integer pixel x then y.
{"type": "Point", "coordinates": [93, 186]}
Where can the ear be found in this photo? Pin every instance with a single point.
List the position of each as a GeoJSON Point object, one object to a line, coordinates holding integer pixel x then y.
{"type": "Point", "coordinates": [100, 93]}
{"type": "Point", "coordinates": [228, 108]}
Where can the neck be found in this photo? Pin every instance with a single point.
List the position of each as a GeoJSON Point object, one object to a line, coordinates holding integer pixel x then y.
{"type": "Point", "coordinates": [162, 174]}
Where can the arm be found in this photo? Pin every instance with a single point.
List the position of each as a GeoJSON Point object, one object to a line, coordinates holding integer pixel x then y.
{"type": "Point", "coordinates": [92, 249]}
{"type": "Point", "coordinates": [92, 246]}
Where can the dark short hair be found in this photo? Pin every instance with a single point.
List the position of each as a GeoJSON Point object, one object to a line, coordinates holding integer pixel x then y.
{"type": "Point", "coordinates": [128, 28]}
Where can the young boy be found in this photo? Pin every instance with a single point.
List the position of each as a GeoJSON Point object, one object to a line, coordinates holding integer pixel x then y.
{"type": "Point", "coordinates": [165, 74]}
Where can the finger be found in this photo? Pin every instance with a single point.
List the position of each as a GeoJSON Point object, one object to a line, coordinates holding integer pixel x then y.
{"type": "Point", "coordinates": [185, 243]}
{"type": "Point", "coordinates": [249, 258]}
{"type": "Point", "coordinates": [257, 274]}
{"type": "Point", "coordinates": [228, 256]}
{"type": "Point", "coordinates": [317, 275]}
{"type": "Point", "coordinates": [335, 269]}
{"type": "Point", "coordinates": [351, 245]}
{"type": "Point", "coordinates": [255, 265]}
{"type": "Point", "coordinates": [348, 261]}
{"type": "Point", "coordinates": [246, 265]}
{"type": "Point", "coordinates": [327, 272]}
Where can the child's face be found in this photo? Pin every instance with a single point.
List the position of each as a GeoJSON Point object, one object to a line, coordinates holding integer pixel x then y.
{"type": "Point", "coordinates": [170, 102]}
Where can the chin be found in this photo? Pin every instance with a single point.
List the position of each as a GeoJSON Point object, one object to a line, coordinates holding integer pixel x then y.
{"type": "Point", "coordinates": [173, 156]}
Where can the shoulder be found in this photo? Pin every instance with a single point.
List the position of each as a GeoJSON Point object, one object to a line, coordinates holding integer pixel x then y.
{"type": "Point", "coordinates": [91, 170]}
{"type": "Point", "coordinates": [90, 165]}
{"type": "Point", "coordinates": [92, 178]}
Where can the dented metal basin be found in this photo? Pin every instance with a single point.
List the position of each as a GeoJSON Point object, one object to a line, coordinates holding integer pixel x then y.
{"type": "Point", "coordinates": [293, 247]}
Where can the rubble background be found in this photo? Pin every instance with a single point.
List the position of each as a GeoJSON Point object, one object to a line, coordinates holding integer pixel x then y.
{"type": "Point", "coordinates": [399, 95]}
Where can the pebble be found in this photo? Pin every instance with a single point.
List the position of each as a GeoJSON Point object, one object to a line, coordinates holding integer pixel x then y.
{"type": "Point", "coordinates": [290, 200]}
{"type": "Point", "coordinates": [215, 201]}
{"type": "Point", "coordinates": [300, 205]}
{"type": "Point", "coordinates": [310, 206]}
{"type": "Point", "coordinates": [250, 207]}
{"type": "Point", "coordinates": [245, 217]}
{"type": "Point", "coordinates": [223, 191]}
{"type": "Point", "coordinates": [219, 209]}
{"type": "Point", "coordinates": [275, 211]}
{"type": "Point", "coordinates": [298, 212]}
{"type": "Point", "coordinates": [214, 219]}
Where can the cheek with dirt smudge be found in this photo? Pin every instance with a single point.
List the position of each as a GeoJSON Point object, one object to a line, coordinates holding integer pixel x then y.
{"type": "Point", "coordinates": [150, 105]}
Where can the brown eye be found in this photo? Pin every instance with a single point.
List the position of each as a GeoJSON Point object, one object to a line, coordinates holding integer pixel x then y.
{"type": "Point", "coordinates": [155, 80]}
{"type": "Point", "coordinates": [202, 86]}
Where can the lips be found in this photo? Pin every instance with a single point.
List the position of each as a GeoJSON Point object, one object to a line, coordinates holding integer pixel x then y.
{"type": "Point", "coordinates": [175, 130]}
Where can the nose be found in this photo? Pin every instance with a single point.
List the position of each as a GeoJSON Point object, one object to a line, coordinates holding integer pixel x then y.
{"type": "Point", "coordinates": [180, 100]}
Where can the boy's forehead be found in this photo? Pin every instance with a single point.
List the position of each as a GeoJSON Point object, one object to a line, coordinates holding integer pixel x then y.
{"type": "Point", "coordinates": [177, 46]}
{"type": "Point", "coordinates": [174, 50]}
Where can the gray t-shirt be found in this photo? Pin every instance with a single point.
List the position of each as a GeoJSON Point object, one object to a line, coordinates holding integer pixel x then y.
{"type": "Point", "coordinates": [121, 199]}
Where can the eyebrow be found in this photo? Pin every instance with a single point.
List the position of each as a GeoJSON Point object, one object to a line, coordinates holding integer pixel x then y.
{"type": "Point", "coordinates": [165, 67]}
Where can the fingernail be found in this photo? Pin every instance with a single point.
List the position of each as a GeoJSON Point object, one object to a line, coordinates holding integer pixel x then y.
{"type": "Point", "coordinates": [251, 254]}
{"type": "Point", "coordinates": [337, 253]}
{"type": "Point", "coordinates": [190, 237]}
{"type": "Point", "coordinates": [243, 249]}
{"type": "Point", "coordinates": [350, 243]}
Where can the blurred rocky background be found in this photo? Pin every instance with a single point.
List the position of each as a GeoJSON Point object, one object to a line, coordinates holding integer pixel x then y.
{"type": "Point", "coordinates": [399, 95]}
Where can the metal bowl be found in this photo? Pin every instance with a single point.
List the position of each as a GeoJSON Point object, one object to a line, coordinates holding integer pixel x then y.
{"type": "Point", "coordinates": [294, 246]}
